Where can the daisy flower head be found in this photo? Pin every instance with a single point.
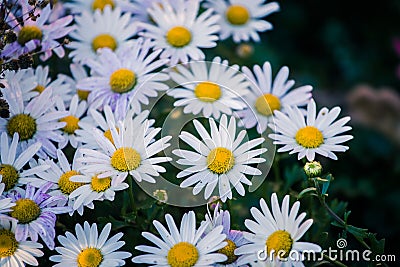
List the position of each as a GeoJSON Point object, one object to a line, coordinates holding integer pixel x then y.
{"type": "Point", "coordinates": [268, 94]}
{"type": "Point", "coordinates": [186, 246]}
{"type": "Point", "coordinates": [20, 79]}
{"type": "Point", "coordinates": [36, 121]}
{"type": "Point", "coordinates": [109, 28]}
{"type": "Point", "coordinates": [78, 73]}
{"type": "Point", "coordinates": [88, 248]}
{"type": "Point", "coordinates": [221, 158]}
{"type": "Point", "coordinates": [16, 253]}
{"type": "Point", "coordinates": [210, 88]}
{"type": "Point", "coordinates": [125, 79]}
{"type": "Point", "coordinates": [139, 9]}
{"type": "Point", "coordinates": [180, 31]}
{"type": "Point", "coordinates": [95, 188]}
{"type": "Point", "coordinates": [91, 6]}
{"type": "Point", "coordinates": [13, 160]}
{"type": "Point", "coordinates": [42, 81]}
{"type": "Point", "coordinates": [315, 134]}
{"type": "Point", "coordinates": [234, 238]}
{"type": "Point", "coordinates": [73, 120]}
{"type": "Point", "coordinates": [242, 19]}
{"type": "Point", "coordinates": [36, 213]}
{"type": "Point", "coordinates": [37, 33]}
{"type": "Point", "coordinates": [130, 150]}
{"type": "Point", "coordinates": [60, 174]}
{"type": "Point", "coordinates": [276, 234]}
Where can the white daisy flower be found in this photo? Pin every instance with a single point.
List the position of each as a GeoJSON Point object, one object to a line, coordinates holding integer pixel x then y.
{"type": "Point", "coordinates": [43, 82]}
{"type": "Point", "coordinates": [90, 6]}
{"type": "Point", "coordinates": [125, 78]}
{"type": "Point", "coordinates": [89, 248]}
{"type": "Point", "coordinates": [268, 95]}
{"type": "Point", "coordinates": [5, 202]}
{"type": "Point", "coordinates": [13, 160]}
{"type": "Point", "coordinates": [16, 253]}
{"type": "Point", "coordinates": [278, 231]}
{"type": "Point", "coordinates": [180, 31]}
{"type": "Point", "coordinates": [186, 246]}
{"type": "Point", "coordinates": [98, 30]}
{"type": "Point", "coordinates": [129, 151]}
{"type": "Point", "coordinates": [242, 19]}
{"type": "Point", "coordinates": [95, 188]}
{"type": "Point", "coordinates": [37, 33]}
{"type": "Point", "coordinates": [36, 121]}
{"type": "Point", "coordinates": [219, 159]}
{"type": "Point", "coordinates": [74, 120]}
{"type": "Point", "coordinates": [212, 88]}
{"type": "Point", "coordinates": [20, 79]}
{"type": "Point", "coordinates": [139, 9]}
{"type": "Point", "coordinates": [102, 121]}
{"type": "Point", "coordinates": [78, 73]}
{"type": "Point", "coordinates": [36, 213]}
{"type": "Point", "coordinates": [310, 135]}
{"type": "Point", "coordinates": [60, 175]}
{"type": "Point", "coordinates": [234, 238]}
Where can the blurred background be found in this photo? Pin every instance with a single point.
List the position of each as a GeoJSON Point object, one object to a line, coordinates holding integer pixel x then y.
{"type": "Point", "coordinates": [349, 51]}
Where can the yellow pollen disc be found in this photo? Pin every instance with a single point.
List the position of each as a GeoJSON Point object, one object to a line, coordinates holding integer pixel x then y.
{"type": "Point", "coordinates": [28, 33]}
{"type": "Point", "coordinates": [39, 88]}
{"type": "Point", "coordinates": [107, 134]}
{"type": "Point", "coordinates": [207, 91]}
{"type": "Point", "coordinates": [125, 159]}
{"type": "Point", "coordinates": [23, 124]}
{"type": "Point", "coordinates": [101, 4]}
{"type": "Point", "coordinates": [279, 241]}
{"type": "Point", "coordinates": [267, 104]}
{"type": "Point", "coordinates": [237, 15]}
{"type": "Point", "coordinates": [25, 210]}
{"type": "Point", "coordinates": [179, 36]}
{"type": "Point", "coordinates": [220, 160]}
{"type": "Point", "coordinates": [100, 184]}
{"type": "Point", "coordinates": [183, 254]}
{"type": "Point", "coordinates": [89, 257]}
{"type": "Point", "coordinates": [10, 176]}
{"type": "Point", "coordinates": [66, 186]}
{"type": "Point", "coordinates": [72, 124]}
{"type": "Point", "coordinates": [309, 137]}
{"type": "Point", "coordinates": [8, 243]}
{"type": "Point", "coordinates": [122, 80]}
{"type": "Point", "coordinates": [83, 95]}
{"type": "Point", "coordinates": [104, 40]}
{"type": "Point", "coordinates": [229, 250]}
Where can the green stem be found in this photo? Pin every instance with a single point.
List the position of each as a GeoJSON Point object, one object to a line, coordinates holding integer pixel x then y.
{"type": "Point", "coordinates": [130, 192]}
{"type": "Point", "coordinates": [275, 168]}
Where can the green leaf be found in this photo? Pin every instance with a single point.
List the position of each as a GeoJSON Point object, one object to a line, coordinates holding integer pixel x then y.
{"type": "Point", "coordinates": [305, 191]}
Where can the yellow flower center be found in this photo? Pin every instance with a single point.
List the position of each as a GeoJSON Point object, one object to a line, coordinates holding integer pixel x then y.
{"type": "Point", "coordinates": [122, 80]}
{"type": "Point", "coordinates": [220, 160]}
{"type": "Point", "coordinates": [183, 254]}
{"type": "Point", "coordinates": [279, 241]}
{"type": "Point", "coordinates": [72, 124]}
{"type": "Point", "coordinates": [267, 104]}
{"type": "Point", "coordinates": [179, 36]}
{"type": "Point", "coordinates": [104, 40]}
{"type": "Point", "coordinates": [28, 33]}
{"type": "Point", "coordinates": [83, 95]}
{"type": "Point", "coordinates": [25, 210]}
{"type": "Point", "coordinates": [100, 184]}
{"type": "Point", "coordinates": [66, 186]}
{"type": "Point", "coordinates": [229, 250]}
{"type": "Point", "coordinates": [101, 4]}
{"type": "Point", "coordinates": [10, 176]}
{"type": "Point", "coordinates": [8, 243]}
{"type": "Point", "coordinates": [23, 124]}
{"type": "Point", "coordinates": [237, 15]}
{"type": "Point", "coordinates": [125, 159]}
{"type": "Point", "coordinates": [207, 91]}
{"type": "Point", "coordinates": [309, 137]}
{"type": "Point", "coordinates": [39, 88]}
{"type": "Point", "coordinates": [107, 134]}
{"type": "Point", "coordinates": [89, 257]}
